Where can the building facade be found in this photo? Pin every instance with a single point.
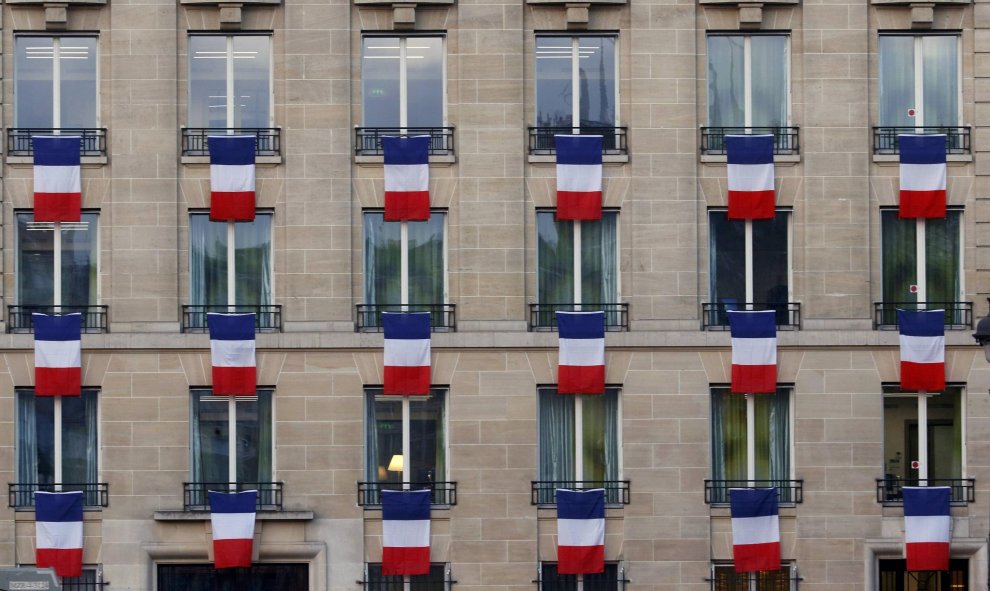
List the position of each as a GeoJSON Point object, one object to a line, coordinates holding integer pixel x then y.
{"type": "Point", "coordinates": [319, 83]}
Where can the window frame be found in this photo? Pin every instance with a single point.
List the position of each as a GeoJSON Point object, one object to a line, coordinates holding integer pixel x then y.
{"type": "Point", "coordinates": [404, 256]}
{"type": "Point", "coordinates": [97, 255]}
{"type": "Point", "coordinates": [403, 38]}
{"type": "Point", "coordinates": [748, 253]}
{"type": "Point", "coordinates": [558, 582]}
{"type": "Point", "coordinates": [380, 582]}
{"type": "Point", "coordinates": [56, 95]}
{"type": "Point", "coordinates": [232, 274]}
{"type": "Point", "coordinates": [920, 255]}
{"type": "Point", "coordinates": [893, 390]}
{"type": "Point", "coordinates": [371, 394]}
{"type": "Point", "coordinates": [229, 79]}
{"type": "Point", "coordinates": [793, 577]}
{"type": "Point", "coordinates": [748, 72]}
{"type": "Point", "coordinates": [577, 262]}
{"type": "Point", "coordinates": [919, 72]}
{"type": "Point", "coordinates": [575, 82]}
{"type": "Point", "coordinates": [231, 432]}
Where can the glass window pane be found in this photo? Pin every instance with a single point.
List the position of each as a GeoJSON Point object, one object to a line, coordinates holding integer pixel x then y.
{"type": "Point", "coordinates": [896, 80]}
{"type": "Point", "coordinates": [253, 437]}
{"type": "Point", "coordinates": [728, 436]}
{"type": "Point", "coordinates": [80, 251]}
{"type": "Point", "coordinates": [424, 79]}
{"type": "Point", "coordinates": [769, 80]}
{"type": "Point", "coordinates": [726, 92]}
{"type": "Point", "coordinates": [210, 443]}
{"type": "Point", "coordinates": [596, 71]}
{"type": "Point", "coordinates": [427, 438]}
{"type": "Point", "coordinates": [35, 438]}
{"type": "Point", "coordinates": [382, 252]}
{"type": "Point", "coordinates": [384, 430]}
{"type": "Point", "coordinates": [940, 75]}
{"type": "Point", "coordinates": [208, 260]}
{"type": "Point", "coordinates": [380, 81]}
{"type": "Point", "coordinates": [426, 264]}
{"type": "Point", "coordinates": [943, 267]}
{"type": "Point", "coordinates": [727, 246]}
{"type": "Point", "coordinates": [253, 260]}
{"type": "Point", "coordinates": [207, 81]}
{"type": "Point", "coordinates": [770, 270]}
{"type": "Point", "coordinates": [35, 262]}
{"type": "Point", "coordinates": [79, 442]}
{"type": "Point", "coordinates": [252, 81]}
{"type": "Point", "coordinates": [600, 443]}
{"type": "Point", "coordinates": [600, 259]}
{"type": "Point", "coordinates": [77, 63]}
{"type": "Point", "coordinates": [554, 89]}
{"type": "Point", "coordinates": [773, 444]}
{"type": "Point", "coordinates": [555, 259]}
{"type": "Point", "coordinates": [898, 238]}
{"type": "Point", "coordinates": [945, 434]}
{"type": "Point", "coordinates": [33, 81]}
{"type": "Point", "coordinates": [556, 437]}
{"type": "Point", "coordinates": [900, 427]}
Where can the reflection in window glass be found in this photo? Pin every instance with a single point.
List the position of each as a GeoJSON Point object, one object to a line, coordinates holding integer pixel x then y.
{"type": "Point", "coordinates": [382, 255]}
{"type": "Point", "coordinates": [208, 261]}
{"type": "Point", "coordinates": [728, 59]}
{"type": "Point", "coordinates": [36, 79]}
{"type": "Point", "coordinates": [210, 441]}
{"type": "Point", "coordinates": [727, 264]}
{"type": "Point", "coordinates": [935, 101]}
{"type": "Point", "coordinates": [382, 62]}
{"type": "Point", "coordinates": [36, 261]}
{"type": "Point", "coordinates": [248, 58]}
{"type": "Point", "coordinates": [556, 85]}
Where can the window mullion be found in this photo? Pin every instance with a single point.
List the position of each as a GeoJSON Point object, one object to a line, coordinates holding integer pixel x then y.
{"type": "Point", "coordinates": [406, 459]}
{"type": "Point", "coordinates": [56, 82]}
{"type": "Point", "coordinates": [403, 82]}
{"type": "Point", "coordinates": [578, 438]}
{"type": "Point", "coordinates": [921, 255]}
{"type": "Point", "coordinates": [230, 81]}
{"type": "Point", "coordinates": [404, 264]}
{"type": "Point", "coordinates": [231, 267]}
{"type": "Point", "coordinates": [232, 441]}
{"type": "Point", "coordinates": [750, 437]}
{"type": "Point", "coordinates": [922, 438]}
{"type": "Point", "coordinates": [919, 82]}
{"type": "Point", "coordinates": [576, 84]}
{"type": "Point", "coordinates": [748, 255]}
{"type": "Point", "coordinates": [748, 81]}
{"type": "Point", "coordinates": [57, 412]}
{"type": "Point", "coordinates": [578, 263]}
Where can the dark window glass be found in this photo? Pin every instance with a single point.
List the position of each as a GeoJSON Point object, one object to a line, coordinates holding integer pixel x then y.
{"type": "Point", "coordinates": [257, 577]}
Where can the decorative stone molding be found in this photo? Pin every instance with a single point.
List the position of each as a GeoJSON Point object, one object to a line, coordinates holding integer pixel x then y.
{"type": "Point", "coordinates": [586, 2]}
{"type": "Point", "coordinates": [238, 5]}
{"type": "Point", "coordinates": [56, 16]}
{"type": "Point", "coordinates": [404, 16]}
{"type": "Point", "coordinates": [395, 5]}
{"type": "Point", "coordinates": [577, 15]}
{"type": "Point", "coordinates": [922, 15]}
{"type": "Point", "coordinates": [230, 16]}
{"type": "Point", "coordinates": [750, 15]}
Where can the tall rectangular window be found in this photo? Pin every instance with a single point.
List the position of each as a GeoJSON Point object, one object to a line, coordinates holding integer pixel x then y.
{"type": "Point", "coordinates": [736, 459]}
{"type": "Point", "coordinates": [920, 81]}
{"type": "Point", "coordinates": [231, 438]}
{"type": "Point", "coordinates": [611, 579]}
{"type": "Point", "coordinates": [230, 81]}
{"type": "Point", "coordinates": [577, 262]}
{"type": "Point", "coordinates": [576, 81]}
{"type": "Point", "coordinates": [77, 277]}
{"type": "Point", "coordinates": [748, 80]}
{"type": "Point", "coordinates": [404, 266]}
{"type": "Point", "coordinates": [57, 443]}
{"type": "Point", "coordinates": [403, 82]}
{"type": "Point", "coordinates": [209, 262]}
{"type": "Point", "coordinates": [56, 81]}
{"type": "Point", "coordinates": [437, 580]}
{"type": "Point", "coordinates": [921, 260]}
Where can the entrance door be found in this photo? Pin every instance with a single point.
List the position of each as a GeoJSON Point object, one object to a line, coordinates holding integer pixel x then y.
{"type": "Point", "coordinates": [894, 577]}
{"type": "Point", "coordinates": [259, 577]}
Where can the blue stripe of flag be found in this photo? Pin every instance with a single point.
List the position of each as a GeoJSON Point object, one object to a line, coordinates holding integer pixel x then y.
{"type": "Point", "coordinates": [406, 325]}
{"type": "Point", "coordinates": [406, 150]}
{"type": "Point", "coordinates": [753, 502]}
{"type": "Point", "coordinates": [406, 505]}
{"type": "Point", "coordinates": [920, 501]}
{"type": "Point", "coordinates": [230, 327]}
{"type": "Point", "coordinates": [232, 150]}
{"type": "Point", "coordinates": [752, 325]}
{"type": "Point", "coordinates": [749, 149]}
{"type": "Point", "coordinates": [922, 149]}
{"type": "Point", "coordinates": [921, 323]}
{"type": "Point", "coordinates": [239, 502]}
{"type": "Point", "coordinates": [64, 507]}
{"type": "Point", "coordinates": [581, 504]}
{"type": "Point", "coordinates": [579, 149]}
{"type": "Point", "coordinates": [57, 150]}
{"type": "Point", "coordinates": [57, 328]}
{"type": "Point", "coordinates": [581, 325]}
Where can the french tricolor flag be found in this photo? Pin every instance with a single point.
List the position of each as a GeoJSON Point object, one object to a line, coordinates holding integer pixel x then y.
{"type": "Point", "coordinates": [754, 351]}
{"type": "Point", "coordinates": [922, 349]}
{"type": "Point", "coordinates": [581, 367]}
{"type": "Point", "coordinates": [407, 178]}
{"type": "Point", "coordinates": [405, 532]}
{"type": "Point", "coordinates": [579, 177]}
{"type": "Point", "coordinates": [750, 170]}
{"type": "Point", "coordinates": [922, 175]}
{"type": "Point", "coordinates": [58, 532]}
{"type": "Point", "coordinates": [755, 529]}
{"type": "Point", "coordinates": [57, 183]}
{"type": "Point", "coordinates": [580, 531]}
{"type": "Point", "coordinates": [407, 352]}
{"type": "Point", "coordinates": [232, 353]}
{"type": "Point", "coordinates": [232, 518]}
{"type": "Point", "coordinates": [927, 527]}
{"type": "Point", "coordinates": [232, 177]}
{"type": "Point", "coordinates": [57, 355]}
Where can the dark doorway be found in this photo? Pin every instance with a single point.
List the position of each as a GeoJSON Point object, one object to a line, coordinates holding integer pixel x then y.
{"type": "Point", "coordinates": [260, 577]}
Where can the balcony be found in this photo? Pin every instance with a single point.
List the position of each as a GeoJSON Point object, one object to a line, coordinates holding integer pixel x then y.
{"type": "Point", "coordinates": [368, 140]}
{"type": "Point", "coordinates": [370, 497]}
{"type": "Point", "coordinates": [544, 492]}
{"type": "Point", "coordinates": [195, 497]}
{"type": "Point", "coordinates": [890, 490]}
{"type": "Point", "coordinates": [94, 139]}
{"type": "Point", "coordinates": [958, 315]}
{"type": "Point", "coordinates": [269, 139]}
{"type": "Point", "coordinates": [20, 319]}
{"type": "Point", "coordinates": [267, 318]}
{"type": "Point", "coordinates": [786, 140]}
{"type": "Point", "coordinates": [714, 314]}
{"type": "Point", "coordinates": [20, 495]}
{"type": "Point", "coordinates": [543, 317]}
{"type": "Point", "coordinates": [368, 317]}
{"type": "Point", "coordinates": [957, 138]}
{"type": "Point", "coordinates": [542, 142]}
{"type": "Point", "coordinates": [789, 492]}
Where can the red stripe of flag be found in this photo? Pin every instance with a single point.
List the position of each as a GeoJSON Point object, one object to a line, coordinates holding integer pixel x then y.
{"type": "Point", "coordinates": [922, 376]}
{"type": "Point", "coordinates": [401, 379]}
{"type": "Point", "coordinates": [232, 553]}
{"type": "Point", "coordinates": [927, 556]}
{"type": "Point", "coordinates": [232, 206]}
{"type": "Point", "coordinates": [581, 379]}
{"type": "Point", "coordinates": [755, 557]}
{"type": "Point", "coordinates": [922, 204]}
{"type": "Point", "coordinates": [233, 381]}
{"type": "Point", "coordinates": [572, 560]}
{"type": "Point", "coordinates": [67, 562]}
{"type": "Point", "coordinates": [579, 205]}
{"type": "Point", "coordinates": [398, 560]}
{"type": "Point", "coordinates": [58, 207]}
{"type": "Point", "coordinates": [758, 379]}
{"type": "Point", "coordinates": [407, 205]}
{"type": "Point", "coordinates": [57, 381]}
{"type": "Point", "coordinates": [751, 205]}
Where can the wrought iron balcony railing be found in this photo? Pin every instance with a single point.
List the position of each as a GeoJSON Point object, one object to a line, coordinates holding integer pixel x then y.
{"type": "Point", "coordinates": [267, 318]}
{"type": "Point", "coordinates": [890, 490]}
{"type": "Point", "coordinates": [958, 315]}
{"type": "Point", "coordinates": [786, 140]}
{"type": "Point", "coordinates": [195, 495]}
{"type": "Point", "coordinates": [544, 492]}
{"type": "Point", "coordinates": [957, 139]}
{"type": "Point", "coordinates": [20, 319]}
{"type": "Point", "coordinates": [438, 579]}
{"type": "Point", "coordinates": [195, 143]}
{"type": "Point", "coordinates": [613, 578]}
{"type": "Point", "coordinates": [725, 578]}
{"type": "Point", "coordinates": [368, 140]}
{"type": "Point", "coordinates": [20, 495]}
{"type": "Point", "coordinates": [789, 492]}
{"type": "Point", "coordinates": [442, 492]}
{"type": "Point", "coordinates": [368, 317]}
{"type": "Point", "coordinates": [542, 142]}
{"type": "Point", "coordinates": [19, 142]}
{"type": "Point", "coordinates": [714, 314]}
{"type": "Point", "coordinates": [543, 317]}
